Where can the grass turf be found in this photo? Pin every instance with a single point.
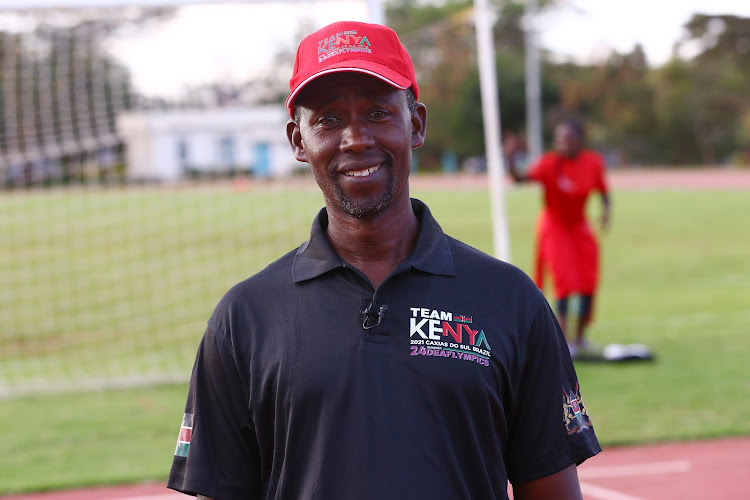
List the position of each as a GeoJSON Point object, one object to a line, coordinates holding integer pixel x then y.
{"type": "Point", "coordinates": [675, 277]}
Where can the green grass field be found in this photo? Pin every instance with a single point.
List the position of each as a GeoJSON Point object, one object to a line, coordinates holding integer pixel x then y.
{"type": "Point", "coordinates": [676, 276]}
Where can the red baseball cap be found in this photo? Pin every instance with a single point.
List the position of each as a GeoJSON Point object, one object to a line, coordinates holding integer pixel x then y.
{"type": "Point", "coordinates": [372, 49]}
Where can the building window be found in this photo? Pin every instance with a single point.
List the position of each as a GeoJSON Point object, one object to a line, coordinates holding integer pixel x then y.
{"type": "Point", "coordinates": [183, 153]}
{"type": "Point", "coordinates": [226, 152]}
{"type": "Point", "coordinates": [262, 156]}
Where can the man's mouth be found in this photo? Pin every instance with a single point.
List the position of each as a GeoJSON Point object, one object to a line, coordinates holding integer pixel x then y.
{"type": "Point", "coordinates": [362, 173]}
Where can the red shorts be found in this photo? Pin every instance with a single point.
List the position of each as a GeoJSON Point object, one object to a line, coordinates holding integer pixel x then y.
{"type": "Point", "coordinates": [571, 253]}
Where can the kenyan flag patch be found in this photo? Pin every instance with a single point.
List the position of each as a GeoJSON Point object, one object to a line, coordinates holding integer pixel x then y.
{"type": "Point", "coordinates": [186, 432]}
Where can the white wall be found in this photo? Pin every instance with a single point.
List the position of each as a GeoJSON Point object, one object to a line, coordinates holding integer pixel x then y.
{"type": "Point", "coordinates": [153, 141]}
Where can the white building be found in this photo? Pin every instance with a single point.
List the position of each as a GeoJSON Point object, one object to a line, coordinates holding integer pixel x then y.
{"type": "Point", "coordinates": [170, 145]}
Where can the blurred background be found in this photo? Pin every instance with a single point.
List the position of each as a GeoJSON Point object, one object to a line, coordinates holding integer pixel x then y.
{"type": "Point", "coordinates": [144, 170]}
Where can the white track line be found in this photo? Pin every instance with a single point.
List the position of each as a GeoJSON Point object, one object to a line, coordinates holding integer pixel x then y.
{"type": "Point", "coordinates": [643, 469]}
{"type": "Point", "coordinates": [598, 493]}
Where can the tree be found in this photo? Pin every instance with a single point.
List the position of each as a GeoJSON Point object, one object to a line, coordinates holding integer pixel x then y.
{"type": "Point", "coordinates": [615, 99]}
{"type": "Point", "coordinates": [442, 42]}
{"type": "Point", "coordinates": [690, 111]}
{"type": "Point", "coordinates": [716, 86]}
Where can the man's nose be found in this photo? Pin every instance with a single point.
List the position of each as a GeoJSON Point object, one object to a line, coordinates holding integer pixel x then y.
{"type": "Point", "coordinates": [356, 136]}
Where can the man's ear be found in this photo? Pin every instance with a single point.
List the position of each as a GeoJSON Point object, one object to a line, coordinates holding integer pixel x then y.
{"type": "Point", "coordinates": [295, 140]}
{"type": "Point", "coordinates": [418, 126]}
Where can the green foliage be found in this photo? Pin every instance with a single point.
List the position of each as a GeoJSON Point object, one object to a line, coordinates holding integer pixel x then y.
{"type": "Point", "coordinates": [702, 104]}
{"type": "Point", "coordinates": [410, 17]}
{"type": "Point", "coordinates": [694, 110]}
{"type": "Point", "coordinates": [463, 115]}
{"type": "Point", "coordinates": [675, 277]}
{"type": "Point", "coordinates": [689, 111]}
{"type": "Point", "coordinates": [442, 42]}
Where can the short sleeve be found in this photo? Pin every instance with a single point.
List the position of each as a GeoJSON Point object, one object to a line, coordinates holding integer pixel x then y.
{"type": "Point", "coordinates": [219, 449]}
{"type": "Point", "coordinates": [543, 169]}
{"type": "Point", "coordinates": [550, 427]}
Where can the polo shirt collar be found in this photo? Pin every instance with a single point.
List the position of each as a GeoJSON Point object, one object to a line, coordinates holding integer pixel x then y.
{"type": "Point", "coordinates": [431, 254]}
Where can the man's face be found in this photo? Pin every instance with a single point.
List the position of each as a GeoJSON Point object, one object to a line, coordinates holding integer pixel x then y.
{"type": "Point", "coordinates": [356, 133]}
{"type": "Point", "coordinates": [567, 142]}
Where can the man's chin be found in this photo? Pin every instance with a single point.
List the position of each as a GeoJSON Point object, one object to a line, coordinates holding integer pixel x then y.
{"type": "Point", "coordinates": [362, 209]}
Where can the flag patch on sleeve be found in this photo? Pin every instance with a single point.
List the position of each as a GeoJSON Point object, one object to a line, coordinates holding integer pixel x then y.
{"type": "Point", "coordinates": [575, 415]}
{"type": "Point", "coordinates": [183, 439]}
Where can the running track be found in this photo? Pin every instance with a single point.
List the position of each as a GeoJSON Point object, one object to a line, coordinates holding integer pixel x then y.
{"type": "Point", "coordinates": [681, 470]}
{"type": "Point", "coordinates": [694, 178]}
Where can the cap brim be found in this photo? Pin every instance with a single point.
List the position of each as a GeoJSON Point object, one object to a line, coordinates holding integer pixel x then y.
{"type": "Point", "coordinates": [383, 73]}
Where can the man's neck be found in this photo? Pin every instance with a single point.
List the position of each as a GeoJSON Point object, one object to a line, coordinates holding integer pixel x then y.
{"type": "Point", "coordinates": [377, 245]}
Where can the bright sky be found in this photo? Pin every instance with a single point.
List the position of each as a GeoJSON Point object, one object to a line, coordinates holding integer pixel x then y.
{"type": "Point", "coordinates": [590, 28]}
{"type": "Point", "coordinates": [236, 41]}
{"type": "Point", "coordinates": [228, 41]}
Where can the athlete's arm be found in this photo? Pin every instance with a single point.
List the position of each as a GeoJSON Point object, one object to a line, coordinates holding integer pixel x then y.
{"type": "Point", "coordinates": [202, 497]}
{"type": "Point", "coordinates": [562, 485]}
{"type": "Point", "coordinates": [605, 211]}
{"type": "Point", "coordinates": [512, 145]}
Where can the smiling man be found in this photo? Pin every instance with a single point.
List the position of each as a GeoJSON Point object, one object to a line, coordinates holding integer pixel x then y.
{"type": "Point", "coordinates": [382, 359]}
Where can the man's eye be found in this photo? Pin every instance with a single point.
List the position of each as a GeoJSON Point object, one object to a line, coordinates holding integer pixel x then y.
{"type": "Point", "coordinates": [328, 120]}
{"type": "Point", "coordinates": [378, 114]}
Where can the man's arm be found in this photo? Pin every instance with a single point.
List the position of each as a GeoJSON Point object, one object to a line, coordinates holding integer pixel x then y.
{"type": "Point", "coordinates": [202, 497]}
{"type": "Point", "coordinates": [562, 485]}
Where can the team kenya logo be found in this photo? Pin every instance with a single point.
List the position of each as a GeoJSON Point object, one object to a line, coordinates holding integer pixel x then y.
{"type": "Point", "coordinates": [443, 334]}
{"type": "Point", "coordinates": [342, 42]}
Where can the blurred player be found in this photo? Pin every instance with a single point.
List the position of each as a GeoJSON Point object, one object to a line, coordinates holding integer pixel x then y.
{"type": "Point", "coordinates": [566, 244]}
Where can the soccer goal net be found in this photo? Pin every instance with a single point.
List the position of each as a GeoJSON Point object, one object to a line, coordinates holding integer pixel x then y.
{"type": "Point", "coordinates": [143, 172]}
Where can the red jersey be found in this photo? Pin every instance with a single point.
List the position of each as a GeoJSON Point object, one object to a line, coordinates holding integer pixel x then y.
{"type": "Point", "coordinates": [568, 182]}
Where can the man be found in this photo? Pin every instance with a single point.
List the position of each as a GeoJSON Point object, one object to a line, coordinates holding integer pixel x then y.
{"type": "Point", "coordinates": [382, 359]}
{"type": "Point", "coordinates": [566, 244]}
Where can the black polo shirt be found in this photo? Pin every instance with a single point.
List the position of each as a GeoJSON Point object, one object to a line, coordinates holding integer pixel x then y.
{"type": "Point", "coordinates": [304, 387]}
